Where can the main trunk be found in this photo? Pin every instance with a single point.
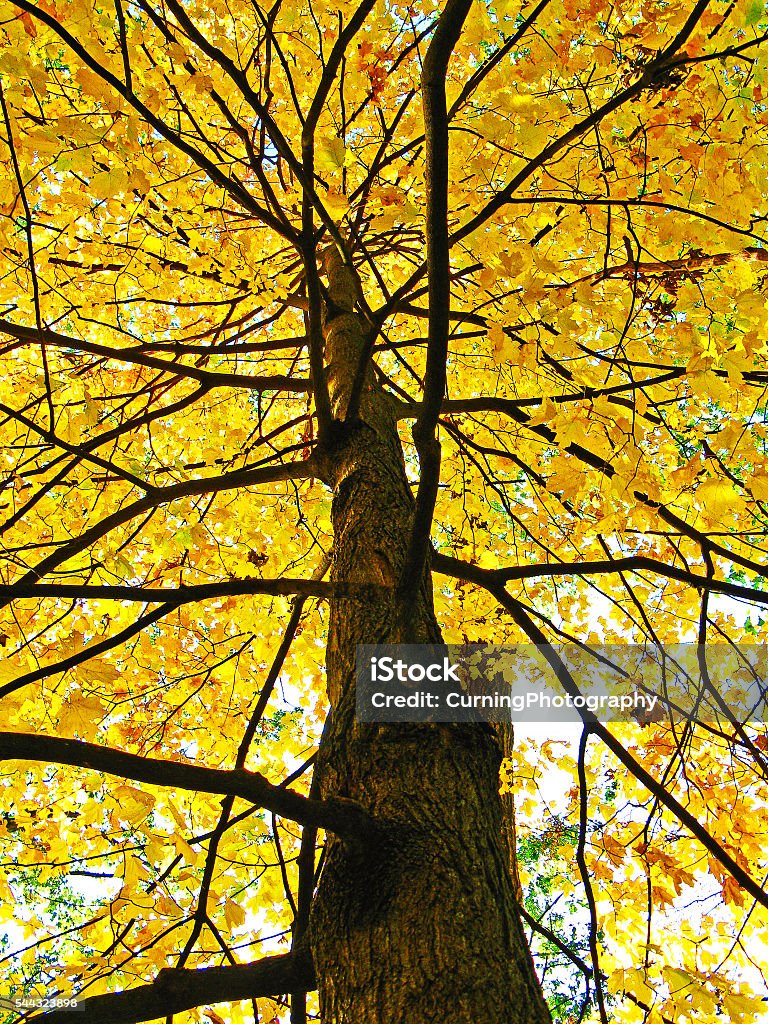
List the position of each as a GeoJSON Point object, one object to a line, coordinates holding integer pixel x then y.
{"type": "Point", "coordinates": [424, 927]}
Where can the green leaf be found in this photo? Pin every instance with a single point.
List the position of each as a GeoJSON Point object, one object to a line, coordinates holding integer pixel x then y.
{"type": "Point", "coordinates": [754, 12]}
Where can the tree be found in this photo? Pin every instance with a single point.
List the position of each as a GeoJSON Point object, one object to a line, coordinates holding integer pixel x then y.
{"type": "Point", "coordinates": [328, 324]}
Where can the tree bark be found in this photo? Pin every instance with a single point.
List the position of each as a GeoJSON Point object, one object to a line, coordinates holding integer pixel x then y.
{"type": "Point", "coordinates": [422, 926]}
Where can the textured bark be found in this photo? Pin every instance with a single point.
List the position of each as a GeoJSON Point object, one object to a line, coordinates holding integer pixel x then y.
{"type": "Point", "coordinates": [506, 735]}
{"type": "Point", "coordinates": [422, 926]}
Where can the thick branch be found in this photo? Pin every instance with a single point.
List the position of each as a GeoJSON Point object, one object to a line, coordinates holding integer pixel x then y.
{"type": "Point", "coordinates": [343, 818]}
{"type": "Point", "coordinates": [455, 567]}
{"type": "Point", "coordinates": [687, 265]}
{"type": "Point", "coordinates": [177, 990]}
{"type": "Point", "coordinates": [513, 406]}
{"type": "Point", "coordinates": [308, 249]}
{"type": "Point", "coordinates": [283, 587]}
{"type": "Point", "coordinates": [439, 276]}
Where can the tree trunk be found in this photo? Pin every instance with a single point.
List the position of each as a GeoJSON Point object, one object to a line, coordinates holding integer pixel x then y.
{"type": "Point", "coordinates": [423, 928]}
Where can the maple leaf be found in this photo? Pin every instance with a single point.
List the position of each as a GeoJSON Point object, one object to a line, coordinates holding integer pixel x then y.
{"type": "Point", "coordinates": [234, 914]}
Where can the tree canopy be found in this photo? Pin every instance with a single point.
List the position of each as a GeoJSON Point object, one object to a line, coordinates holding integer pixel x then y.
{"type": "Point", "coordinates": [546, 224]}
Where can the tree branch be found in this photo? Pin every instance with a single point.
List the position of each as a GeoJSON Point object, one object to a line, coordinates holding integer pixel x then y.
{"type": "Point", "coordinates": [92, 651]}
{"type": "Point", "coordinates": [650, 73]}
{"type": "Point", "coordinates": [281, 587]}
{"type": "Point", "coordinates": [232, 186]}
{"type": "Point", "coordinates": [654, 70]}
{"type": "Point", "coordinates": [210, 378]}
{"type": "Point", "coordinates": [450, 566]}
{"type": "Point", "coordinates": [247, 477]}
{"type": "Point", "coordinates": [521, 616]}
{"type": "Point", "coordinates": [433, 76]}
{"type": "Point", "coordinates": [176, 990]}
{"type": "Point", "coordinates": [342, 817]}
{"type": "Point", "coordinates": [308, 247]}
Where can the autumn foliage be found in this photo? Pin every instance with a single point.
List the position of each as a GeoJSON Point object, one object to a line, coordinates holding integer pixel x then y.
{"type": "Point", "coordinates": [558, 271]}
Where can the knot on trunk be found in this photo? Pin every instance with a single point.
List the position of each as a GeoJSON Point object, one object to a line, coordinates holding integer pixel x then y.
{"type": "Point", "coordinates": [367, 878]}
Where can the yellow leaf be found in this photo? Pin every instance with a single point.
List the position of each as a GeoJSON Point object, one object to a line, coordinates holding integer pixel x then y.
{"type": "Point", "coordinates": [678, 979]}
{"type": "Point", "coordinates": [164, 905]}
{"type": "Point", "coordinates": [81, 715]}
{"type": "Point", "coordinates": [758, 485]}
{"type": "Point", "coordinates": [234, 914]}
{"type": "Point", "coordinates": [614, 849]}
{"type": "Point", "coordinates": [178, 817]}
{"type": "Point", "coordinates": [715, 498]}
{"type": "Point", "coordinates": [329, 154]}
{"type": "Point", "coordinates": [336, 204]}
{"type": "Point", "coordinates": [106, 184]}
{"type": "Point", "coordinates": [98, 671]}
{"type": "Point", "coordinates": [732, 891]}
{"type": "Point", "coordinates": [546, 413]}
{"type": "Point", "coordinates": [739, 1006]}
{"type": "Point", "coordinates": [133, 804]}
{"type": "Point", "coordinates": [183, 848]}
